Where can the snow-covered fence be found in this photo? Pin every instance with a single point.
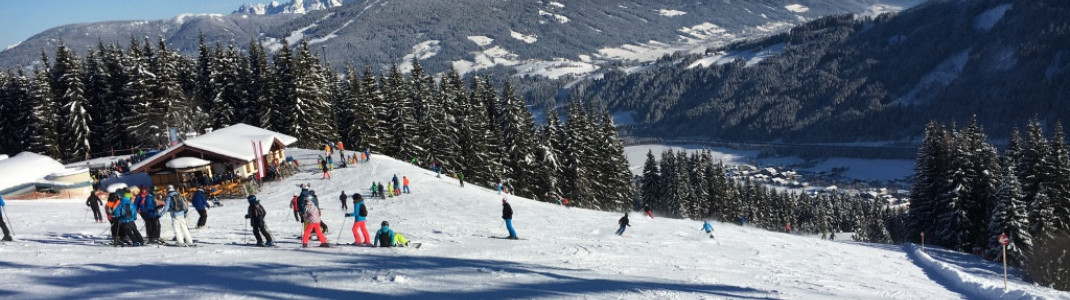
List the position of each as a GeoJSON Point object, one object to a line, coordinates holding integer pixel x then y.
{"type": "Point", "coordinates": [970, 286]}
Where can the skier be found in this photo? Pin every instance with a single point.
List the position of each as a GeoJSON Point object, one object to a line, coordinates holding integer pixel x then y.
{"type": "Point", "coordinates": [646, 209]}
{"type": "Point", "coordinates": [360, 217]}
{"type": "Point", "coordinates": [507, 214]}
{"type": "Point", "coordinates": [367, 154]}
{"type": "Point", "coordinates": [832, 235]}
{"type": "Point", "coordinates": [312, 223]}
{"type": "Point", "coordinates": [397, 184]}
{"type": "Point", "coordinates": [623, 224]}
{"type": "Point", "coordinates": [342, 198]}
{"type": "Point", "coordinates": [787, 227]}
{"type": "Point", "coordinates": [499, 187]}
{"type": "Point", "coordinates": [460, 177]}
{"type": "Point", "coordinates": [405, 181]}
{"type": "Point", "coordinates": [330, 162]}
{"type": "Point", "coordinates": [742, 221]}
{"type": "Point", "coordinates": [109, 210]}
{"type": "Point", "coordinates": [390, 188]}
{"type": "Point", "coordinates": [94, 204]}
{"type": "Point", "coordinates": [382, 190]}
{"type": "Point", "coordinates": [824, 233]}
{"type": "Point", "coordinates": [149, 209]}
{"type": "Point", "coordinates": [326, 171]}
{"type": "Point", "coordinates": [3, 223]}
{"type": "Point", "coordinates": [256, 216]}
{"type": "Point", "coordinates": [200, 203]}
{"type": "Point", "coordinates": [708, 228]}
{"type": "Point", "coordinates": [178, 207]}
{"type": "Point", "coordinates": [375, 189]}
{"type": "Point", "coordinates": [293, 205]}
{"type": "Point", "coordinates": [126, 212]}
{"type": "Point", "coordinates": [385, 236]}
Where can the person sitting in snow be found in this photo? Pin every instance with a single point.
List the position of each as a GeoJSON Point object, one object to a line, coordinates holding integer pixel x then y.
{"type": "Point", "coordinates": [386, 237]}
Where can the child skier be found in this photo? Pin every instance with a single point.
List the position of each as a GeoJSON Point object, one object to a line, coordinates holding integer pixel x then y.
{"type": "Point", "coordinates": [708, 228]}
{"type": "Point", "coordinates": [385, 236]}
{"type": "Point", "coordinates": [312, 223]}
{"type": "Point", "coordinates": [256, 214]}
{"type": "Point", "coordinates": [649, 214]}
{"type": "Point", "coordinates": [623, 224]}
{"type": "Point", "coordinates": [360, 217]}
{"type": "Point", "coordinates": [343, 199]}
{"type": "Point", "coordinates": [405, 181]}
{"type": "Point", "coordinates": [326, 171]}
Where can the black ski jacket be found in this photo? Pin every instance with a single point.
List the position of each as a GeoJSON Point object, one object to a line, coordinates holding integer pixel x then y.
{"type": "Point", "coordinates": [507, 211]}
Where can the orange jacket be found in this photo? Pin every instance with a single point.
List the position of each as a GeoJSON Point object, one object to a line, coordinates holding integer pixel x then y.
{"type": "Point", "coordinates": [405, 180]}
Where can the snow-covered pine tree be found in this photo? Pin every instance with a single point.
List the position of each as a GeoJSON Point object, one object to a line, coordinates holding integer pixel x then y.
{"type": "Point", "coordinates": [576, 174]}
{"type": "Point", "coordinates": [480, 140]}
{"type": "Point", "coordinates": [138, 118]}
{"type": "Point", "coordinates": [699, 186]}
{"type": "Point", "coordinates": [259, 86]}
{"type": "Point", "coordinates": [427, 108]}
{"type": "Point", "coordinates": [518, 141]}
{"type": "Point", "coordinates": [43, 136]}
{"type": "Point", "coordinates": [282, 116]}
{"type": "Point", "coordinates": [650, 184]}
{"type": "Point", "coordinates": [981, 170]}
{"type": "Point", "coordinates": [401, 117]}
{"type": "Point", "coordinates": [684, 192]}
{"type": "Point", "coordinates": [346, 108]}
{"type": "Point", "coordinates": [720, 191]}
{"type": "Point", "coordinates": [169, 98]}
{"type": "Point", "coordinates": [98, 93]}
{"type": "Point", "coordinates": [1060, 180]}
{"type": "Point", "coordinates": [617, 179]}
{"type": "Point", "coordinates": [931, 172]}
{"type": "Point", "coordinates": [548, 165]}
{"type": "Point", "coordinates": [227, 92]}
{"type": "Point", "coordinates": [117, 66]}
{"type": "Point", "coordinates": [367, 122]}
{"type": "Point", "coordinates": [1009, 217]}
{"type": "Point", "coordinates": [454, 104]}
{"type": "Point", "coordinates": [18, 94]}
{"type": "Point", "coordinates": [204, 88]}
{"type": "Point", "coordinates": [669, 199]}
{"type": "Point", "coordinates": [313, 122]}
{"type": "Point", "coordinates": [1034, 165]}
{"type": "Point", "coordinates": [7, 108]}
{"type": "Point", "coordinates": [68, 91]}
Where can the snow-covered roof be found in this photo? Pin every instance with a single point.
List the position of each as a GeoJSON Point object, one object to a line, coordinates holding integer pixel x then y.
{"type": "Point", "coordinates": [187, 162]}
{"type": "Point", "coordinates": [26, 168]}
{"type": "Point", "coordinates": [235, 141]}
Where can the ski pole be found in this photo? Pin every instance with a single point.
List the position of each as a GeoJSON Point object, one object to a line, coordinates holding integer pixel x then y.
{"type": "Point", "coordinates": [8, 219]}
{"type": "Point", "coordinates": [344, 220]}
{"type": "Point", "coordinates": [245, 240]}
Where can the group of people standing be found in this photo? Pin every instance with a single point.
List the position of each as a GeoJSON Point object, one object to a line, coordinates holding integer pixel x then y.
{"type": "Point", "coordinates": [307, 211]}
{"type": "Point", "coordinates": [123, 207]}
{"type": "Point", "coordinates": [394, 187]}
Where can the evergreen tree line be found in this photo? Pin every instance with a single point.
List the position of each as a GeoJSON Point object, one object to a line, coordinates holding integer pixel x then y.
{"type": "Point", "coordinates": [697, 187]}
{"type": "Point", "coordinates": [75, 107]}
{"type": "Point", "coordinates": [966, 194]}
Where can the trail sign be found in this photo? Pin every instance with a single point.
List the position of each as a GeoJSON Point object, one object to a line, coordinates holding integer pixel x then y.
{"type": "Point", "coordinates": [1003, 240]}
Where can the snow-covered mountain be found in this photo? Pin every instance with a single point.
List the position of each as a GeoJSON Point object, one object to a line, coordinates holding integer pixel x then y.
{"type": "Point", "coordinates": [549, 38]}
{"type": "Point", "coordinates": [293, 7]}
{"type": "Point", "coordinates": [564, 253]}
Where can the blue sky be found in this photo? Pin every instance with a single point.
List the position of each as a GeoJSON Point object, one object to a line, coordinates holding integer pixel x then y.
{"type": "Point", "coordinates": [21, 19]}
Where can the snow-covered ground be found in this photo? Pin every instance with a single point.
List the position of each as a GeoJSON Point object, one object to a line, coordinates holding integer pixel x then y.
{"type": "Point", "coordinates": [565, 253]}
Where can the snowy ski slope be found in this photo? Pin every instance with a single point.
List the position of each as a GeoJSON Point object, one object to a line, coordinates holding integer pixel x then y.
{"type": "Point", "coordinates": [565, 253]}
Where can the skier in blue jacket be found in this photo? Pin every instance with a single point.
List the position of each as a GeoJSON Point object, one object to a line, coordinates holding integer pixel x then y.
{"type": "Point", "coordinates": [150, 212]}
{"type": "Point", "coordinates": [360, 215]}
{"type": "Point", "coordinates": [200, 202]}
{"type": "Point", "coordinates": [126, 212]}
{"type": "Point", "coordinates": [3, 224]}
{"type": "Point", "coordinates": [708, 228]}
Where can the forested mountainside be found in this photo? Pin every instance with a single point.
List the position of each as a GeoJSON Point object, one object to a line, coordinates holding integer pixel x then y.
{"type": "Point", "coordinates": [850, 78]}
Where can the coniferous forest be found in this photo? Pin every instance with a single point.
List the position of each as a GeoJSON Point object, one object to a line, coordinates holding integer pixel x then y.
{"type": "Point", "coordinates": [117, 98]}
{"type": "Point", "coordinates": [965, 195]}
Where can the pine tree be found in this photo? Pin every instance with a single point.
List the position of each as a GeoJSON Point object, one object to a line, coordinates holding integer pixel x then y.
{"type": "Point", "coordinates": [368, 122]}
{"type": "Point", "coordinates": [577, 173]}
{"type": "Point", "coordinates": [69, 94]}
{"type": "Point", "coordinates": [669, 203]}
{"type": "Point", "coordinates": [283, 117]}
{"type": "Point", "coordinates": [168, 97]}
{"type": "Point", "coordinates": [548, 166]}
{"type": "Point", "coordinates": [98, 93]}
{"type": "Point", "coordinates": [649, 184]}
{"type": "Point", "coordinates": [227, 93]}
{"type": "Point", "coordinates": [401, 117]}
{"type": "Point", "coordinates": [1009, 217]}
{"type": "Point", "coordinates": [1060, 180]}
{"type": "Point", "coordinates": [42, 125]}
{"type": "Point", "coordinates": [518, 134]}
{"type": "Point", "coordinates": [347, 109]}
{"type": "Point", "coordinates": [259, 88]}
{"type": "Point", "coordinates": [981, 173]}
{"type": "Point", "coordinates": [932, 170]}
